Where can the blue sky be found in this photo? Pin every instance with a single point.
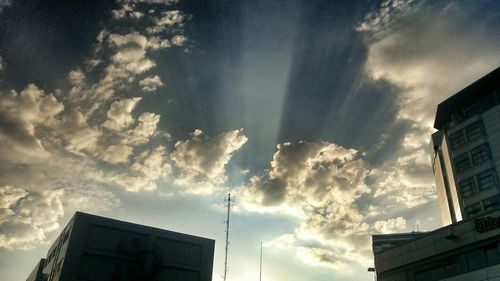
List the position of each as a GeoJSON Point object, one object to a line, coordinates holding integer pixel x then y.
{"type": "Point", "coordinates": [315, 115]}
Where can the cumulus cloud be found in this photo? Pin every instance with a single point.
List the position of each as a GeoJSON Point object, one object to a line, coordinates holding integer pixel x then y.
{"type": "Point", "coordinates": [119, 115]}
{"type": "Point", "coordinates": [168, 20]}
{"type": "Point", "coordinates": [393, 225]}
{"type": "Point", "coordinates": [202, 159]}
{"type": "Point", "coordinates": [88, 138]}
{"type": "Point", "coordinates": [21, 114]}
{"type": "Point", "coordinates": [151, 83]}
{"type": "Point", "coordinates": [27, 217]}
{"type": "Point", "coordinates": [428, 70]}
{"type": "Point", "coordinates": [324, 181]}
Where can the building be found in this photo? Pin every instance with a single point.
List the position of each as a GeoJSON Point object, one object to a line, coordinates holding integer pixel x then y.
{"type": "Point", "coordinates": [466, 150]}
{"type": "Point", "coordinates": [94, 248]}
{"type": "Point", "coordinates": [466, 166]}
{"type": "Point", "coordinates": [465, 251]}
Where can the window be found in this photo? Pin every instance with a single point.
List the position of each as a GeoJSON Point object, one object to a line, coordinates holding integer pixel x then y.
{"type": "Point", "coordinates": [491, 203]}
{"type": "Point", "coordinates": [457, 139]}
{"type": "Point", "coordinates": [472, 210]}
{"type": "Point", "coordinates": [492, 254]}
{"type": "Point", "coordinates": [474, 131]}
{"type": "Point", "coordinates": [480, 154]}
{"type": "Point", "coordinates": [475, 259]}
{"type": "Point", "coordinates": [486, 179]}
{"type": "Point", "coordinates": [462, 162]}
{"type": "Point", "coordinates": [467, 187]}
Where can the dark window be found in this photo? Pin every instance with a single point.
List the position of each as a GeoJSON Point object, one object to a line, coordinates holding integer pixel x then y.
{"type": "Point", "coordinates": [472, 210]}
{"type": "Point", "coordinates": [457, 139]}
{"type": "Point", "coordinates": [480, 154]}
{"type": "Point", "coordinates": [486, 179]}
{"type": "Point", "coordinates": [491, 203]}
{"type": "Point", "coordinates": [492, 254]}
{"type": "Point", "coordinates": [474, 131]}
{"type": "Point", "coordinates": [462, 162]}
{"type": "Point", "coordinates": [475, 259]}
{"type": "Point", "coordinates": [467, 187]}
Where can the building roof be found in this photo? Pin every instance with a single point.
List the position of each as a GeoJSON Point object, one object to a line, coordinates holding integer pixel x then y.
{"type": "Point", "coordinates": [466, 96]}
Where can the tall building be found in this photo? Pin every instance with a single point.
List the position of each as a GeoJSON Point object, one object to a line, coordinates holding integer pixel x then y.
{"type": "Point", "coordinates": [94, 248]}
{"type": "Point", "coordinates": [466, 165]}
{"type": "Point", "coordinates": [466, 150]}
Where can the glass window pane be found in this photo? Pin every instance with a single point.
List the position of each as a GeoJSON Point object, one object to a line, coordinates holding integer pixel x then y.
{"type": "Point", "coordinates": [491, 203]}
{"type": "Point", "coordinates": [480, 154]}
{"type": "Point", "coordinates": [475, 259]}
{"type": "Point", "coordinates": [486, 179]}
{"type": "Point", "coordinates": [472, 210]}
{"type": "Point", "coordinates": [467, 187]}
{"type": "Point", "coordinates": [462, 162]}
{"type": "Point", "coordinates": [492, 254]}
{"type": "Point", "coordinates": [457, 139]}
{"type": "Point", "coordinates": [473, 131]}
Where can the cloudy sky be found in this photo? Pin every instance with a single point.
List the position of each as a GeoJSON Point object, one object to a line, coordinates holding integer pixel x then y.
{"type": "Point", "coordinates": [315, 115]}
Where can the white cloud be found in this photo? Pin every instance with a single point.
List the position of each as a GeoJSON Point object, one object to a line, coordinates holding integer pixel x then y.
{"type": "Point", "coordinates": [147, 168]}
{"type": "Point", "coordinates": [413, 52]}
{"type": "Point", "coordinates": [393, 225]}
{"type": "Point", "coordinates": [178, 40]}
{"type": "Point", "coordinates": [27, 217]}
{"type": "Point", "coordinates": [202, 160]}
{"type": "Point", "coordinates": [116, 154]}
{"type": "Point", "coordinates": [119, 115]}
{"type": "Point", "coordinates": [23, 112]}
{"type": "Point", "coordinates": [1, 64]}
{"type": "Point", "coordinates": [151, 83]}
{"type": "Point", "coordinates": [168, 20]}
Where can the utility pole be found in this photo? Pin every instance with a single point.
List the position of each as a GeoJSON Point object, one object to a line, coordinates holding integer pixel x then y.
{"type": "Point", "coordinates": [260, 269]}
{"type": "Point", "coordinates": [229, 201]}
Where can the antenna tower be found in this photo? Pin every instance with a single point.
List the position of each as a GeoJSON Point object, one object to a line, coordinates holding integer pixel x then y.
{"type": "Point", "coordinates": [229, 201]}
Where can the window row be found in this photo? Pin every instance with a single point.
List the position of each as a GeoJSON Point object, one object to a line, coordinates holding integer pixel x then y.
{"type": "Point", "coordinates": [489, 204]}
{"type": "Point", "coordinates": [469, 134]}
{"type": "Point", "coordinates": [482, 181]}
{"type": "Point", "coordinates": [458, 264]}
{"type": "Point", "coordinates": [474, 157]}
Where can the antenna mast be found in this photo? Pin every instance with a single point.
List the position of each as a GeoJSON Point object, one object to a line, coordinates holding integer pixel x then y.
{"type": "Point", "coordinates": [229, 200]}
{"type": "Point", "coordinates": [260, 269]}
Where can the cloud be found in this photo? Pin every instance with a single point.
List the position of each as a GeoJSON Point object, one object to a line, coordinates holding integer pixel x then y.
{"type": "Point", "coordinates": [393, 225]}
{"type": "Point", "coordinates": [202, 159]}
{"type": "Point", "coordinates": [119, 116]}
{"type": "Point", "coordinates": [21, 113]}
{"type": "Point", "coordinates": [324, 182]}
{"type": "Point", "coordinates": [151, 83]}
{"type": "Point", "coordinates": [27, 217]}
{"type": "Point", "coordinates": [409, 46]}
{"type": "Point", "coordinates": [72, 148]}
{"type": "Point", "coordinates": [168, 20]}
{"type": "Point", "coordinates": [1, 64]}
{"type": "Point", "coordinates": [146, 169]}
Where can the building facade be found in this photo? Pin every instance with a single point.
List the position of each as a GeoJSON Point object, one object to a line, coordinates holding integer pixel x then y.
{"type": "Point", "coordinates": [464, 251]}
{"type": "Point", "coordinates": [94, 248]}
{"type": "Point", "coordinates": [466, 150]}
{"type": "Point", "coordinates": [466, 164]}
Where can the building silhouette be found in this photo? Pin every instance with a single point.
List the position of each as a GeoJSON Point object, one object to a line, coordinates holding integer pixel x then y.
{"type": "Point", "coordinates": [466, 150]}
{"type": "Point", "coordinates": [466, 162]}
{"type": "Point", "coordinates": [95, 248]}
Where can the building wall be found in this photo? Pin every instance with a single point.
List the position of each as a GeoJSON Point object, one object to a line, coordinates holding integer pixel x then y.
{"type": "Point", "coordinates": [93, 248]}
{"type": "Point", "coordinates": [457, 243]}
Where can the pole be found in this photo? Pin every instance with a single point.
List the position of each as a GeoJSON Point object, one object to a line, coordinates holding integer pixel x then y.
{"type": "Point", "coordinates": [260, 271]}
{"type": "Point", "coordinates": [227, 233]}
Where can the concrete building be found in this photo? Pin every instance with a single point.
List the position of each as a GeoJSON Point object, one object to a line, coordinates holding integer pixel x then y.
{"type": "Point", "coordinates": [465, 251]}
{"type": "Point", "coordinates": [466, 150]}
{"type": "Point", "coordinates": [95, 248]}
{"type": "Point", "coordinates": [466, 165]}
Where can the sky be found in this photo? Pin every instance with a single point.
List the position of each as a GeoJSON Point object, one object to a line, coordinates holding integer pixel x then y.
{"type": "Point", "coordinates": [315, 115]}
